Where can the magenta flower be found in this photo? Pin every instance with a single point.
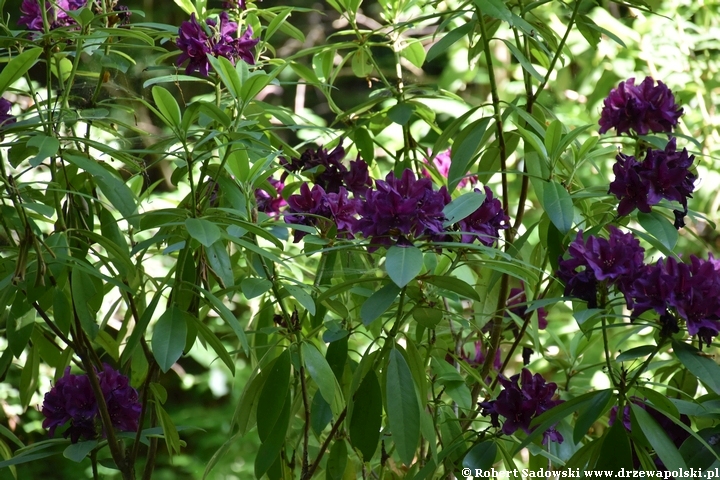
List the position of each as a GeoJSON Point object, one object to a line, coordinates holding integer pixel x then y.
{"type": "Point", "coordinates": [6, 118]}
{"type": "Point", "coordinates": [197, 42]}
{"type": "Point", "coordinates": [643, 108]}
{"type": "Point", "coordinates": [327, 170]}
{"type": "Point", "coordinates": [320, 209]}
{"type": "Point", "coordinates": [401, 210]}
{"type": "Point", "coordinates": [616, 260]}
{"type": "Point", "coordinates": [442, 163]}
{"type": "Point", "coordinates": [267, 203]}
{"type": "Point", "coordinates": [56, 13]}
{"type": "Point", "coordinates": [72, 400]}
{"type": "Point", "coordinates": [520, 404]}
{"type": "Point", "coordinates": [478, 359]}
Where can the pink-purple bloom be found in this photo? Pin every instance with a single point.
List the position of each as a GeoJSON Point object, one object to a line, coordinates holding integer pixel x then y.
{"type": "Point", "coordinates": [197, 42]}
{"type": "Point", "coordinates": [616, 261]}
{"type": "Point", "coordinates": [56, 12]}
{"type": "Point", "coordinates": [643, 108]}
{"type": "Point", "coordinates": [6, 118]}
{"type": "Point", "coordinates": [485, 223]}
{"type": "Point", "coordinates": [401, 210]}
{"type": "Point", "coordinates": [72, 400]}
{"type": "Point", "coordinates": [321, 209]}
{"type": "Point", "coordinates": [442, 164]}
{"type": "Point", "coordinates": [266, 202]}
{"type": "Point", "coordinates": [327, 170]}
{"type": "Point", "coordinates": [663, 174]}
{"type": "Point", "coordinates": [478, 359]}
{"type": "Point", "coordinates": [679, 290]}
{"type": "Point", "coordinates": [519, 404]}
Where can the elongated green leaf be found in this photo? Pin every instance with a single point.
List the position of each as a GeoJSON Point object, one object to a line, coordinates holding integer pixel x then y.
{"type": "Point", "coordinates": [304, 298]}
{"type": "Point", "coordinates": [637, 352]}
{"type": "Point", "coordinates": [702, 367]}
{"type": "Point", "coordinates": [116, 191]}
{"type": "Point", "coordinates": [17, 67]}
{"type": "Point", "coordinates": [464, 149]}
{"type": "Point", "coordinates": [596, 407]}
{"type": "Point", "coordinates": [402, 407]}
{"type": "Point", "coordinates": [524, 61]}
{"type": "Point", "coordinates": [78, 451]}
{"type": "Point", "coordinates": [659, 440]}
{"type": "Point", "coordinates": [47, 147]}
{"type": "Point", "coordinates": [450, 38]}
{"type": "Point", "coordinates": [454, 285]}
{"type": "Point", "coordinates": [337, 461]}
{"type": "Point", "coordinates": [270, 448]}
{"type": "Point", "coordinates": [481, 456]}
{"type": "Point", "coordinates": [219, 261]}
{"type": "Point", "coordinates": [378, 303]}
{"type": "Point", "coordinates": [229, 317]}
{"type": "Point", "coordinates": [558, 205]}
{"type": "Point", "coordinates": [254, 287]}
{"type": "Point", "coordinates": [366, 416]}
{"type": "Point", "coordinates": [168, 338]}
{"type": "Point", "coordinates": [494, 8]}
{"type": "Point", "coordinates": [414, 52]}
{"type": "Point", "coordinates": [228, 75]}
{"type": "Point", "coordinates": [273, 396]}
{"type": "Point", "coordinates": [320, 371]}
{"type": "Point", "coordinates": [212, 339]}
{"type": "Point", "coordinates": [659, 227]}
{"type": "Point", "coordinates": [203, 231]}
{"type": "Point", "coordinates": [167, 105]}
{"type": "Point", "coordinates": [466, 204]}
{"type": "Point", "coordinates": [615, 453]}
{"type": "Point", "coordinates": [403, 264]}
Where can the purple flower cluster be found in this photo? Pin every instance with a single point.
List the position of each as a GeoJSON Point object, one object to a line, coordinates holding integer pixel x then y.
{"type": "Point", "coordinates": [402, 209]}
{"type": "Point", "coordinates": [643, 108]}
{"type": "Point", "coordinates": [520, 404]}
{"type": "Point", "coordinates": [679, 290]}
{"type": "Point", "coordinates": [662, 174]}
{"type": "Point", "coordinates": [6, 118]}
{"type": "Point", "coordinates": [327, 170]}
{"type": "Point", "coordinates": [267, 203]}
{"type": "Point", "coordinates": [197, 42]}
{"type": "Point", "coordinates": [318, 208]}
{"type": "Point", "coordinates": [442, 164]}
{"type": "Point", "coordinates": [72, 400]}
{"type": "Point", "coordinates": [56, 13]}
{"type": "Point", "coordinates": [486, 222]}
{"type": "Point", "coordinates": [616, 261]}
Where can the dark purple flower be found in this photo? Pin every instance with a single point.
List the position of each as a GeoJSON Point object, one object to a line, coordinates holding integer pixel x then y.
{"type": "Point", "coordinates": [616, 260]}
{"type": "Point", "coordinates": [320, 209]}
{"type": "Point", "coordinates": [662, 174]}
{"type": "Point", "coordinates": [517, 304]}
{"type": "Point", "coordinates": [121, 399]}
{"type": "Point", "coordinates": [520, 404]}
{"type": "Point", "coordinates": [357, 178]}
{"type": "Point", "coordinates": [644, 108]}
{"type": "Point", "coordinates": [6, 118]}
{"type": "Point", "coordinates": [56, 13]}
{"type": "Point", "coordinates": [478, 359]}
{"type": "Point", "coordinates": [486, 222]}
{"type": "Point", "coordinates": [442, 164]}
{"type": "Point", "coordinates": [401, 210]}
{"type": "Point", "coordinates": [232, 4]}
{"type": "Point", "coordinates": [267, 203]}
{"type": "Point", "coordinates": [218, 40]}
{"type": "Point", "coordinates": [72, 400]}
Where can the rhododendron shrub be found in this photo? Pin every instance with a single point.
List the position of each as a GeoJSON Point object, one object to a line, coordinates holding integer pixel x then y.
{"type": "Point", "coordinates": [357, 240]}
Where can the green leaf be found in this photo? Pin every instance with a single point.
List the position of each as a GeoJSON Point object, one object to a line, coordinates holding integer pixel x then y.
{"type": "Point", "coordinates": [466, 204]}
{"type": "Point", "coordinates": [203, 231]}
{"type": "Point", "coordinates": [219, 261]}
{"type": "Point", "coordinates": [464, 149]}
{"type": "Point", "coordinates": [378, 303]}
{"type": "Point", "coordinates": [78, 451]}
{"type": "Point", "coordinates": [637, 352]}
{"type": "Point", "coordinates": [524, 61]}
{"type": "Point", "coordinates": [320, 371]}
{"type": "Point", "coordinates": [414, 52]}
{"type": "Point", "coordinates": [168, 338]}
{"type": "Point", "coordinates": [615, 453]}
{"type": "Point", "coordinates": [172, 438]}
{"type": "Point", "coordinates": [597, 406]}
{"type": "Point", "coordinates": [212, 339]}
{"type": "Point", "coordinates": [320, 413]}
{"type": "Point", "coordinates": [47, 147]}
{"type": "Point", "coordinates": [450, 38]}
{"type": "Point", "coordinates": [17, 67]}
{"type": "Point", "coordinates": [273, 396]}
{"type": "Point", "coordinates": [553, 134]}
{"type": "Point", "coordinates": [703, 368]}
{"type": "Point", "coordinates": [337, 460]}
{"type": "Point", "coordinates": [167, 105]}
{"type": "Point", "coordinates": [403, 264]}
{"type": "Point", "coordinates": [558, 205]}
{"type": "Point", "coordinates": [254, 287]}
{"type": "Point", "coordinates": [84, 294]}
{"type": "Point", "coordinates": [366, 417]}
{"type": "Point", "coordinates": [494, 8]}
{"type": "Point", "coordinates": [659, 227]}
{"type": "Point", "coordinates": [187, 7]}
{"type": "Point", "coordinates": [269, 451]}
{"type": "Point", "coordinates": [427, 317]}
{"type": "Point", "coordinates": [401, 113]}
{"type": "Point", "coordinates": [228, 75]}
{"type": "Point", "coordinates": [402, 407]}
{"type": "Point", "coordinates": [361, 64]}
{"type": "Point", "coordinates": [454, 285]}
{"type": "Point", "coordinates": [304, 298]}
{"type": "Point", "coordinates": [481, 456]}
{"type": "Point", "coordinates": [659, 440]}
{"type": "Point", "coordinates": [229, 317]}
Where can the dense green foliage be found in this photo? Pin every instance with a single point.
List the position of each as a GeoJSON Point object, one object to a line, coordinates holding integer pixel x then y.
{"type": "Point", "coordinates": [132, 234]}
